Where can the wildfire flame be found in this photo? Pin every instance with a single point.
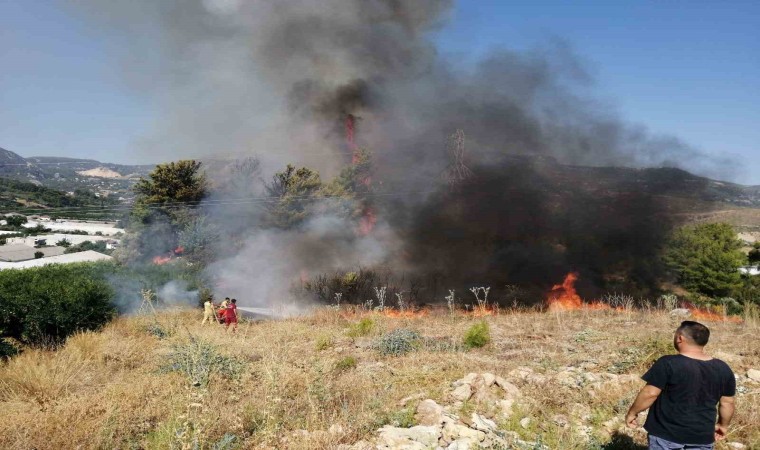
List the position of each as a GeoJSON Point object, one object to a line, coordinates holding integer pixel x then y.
{"type": "Point", "coordinates": [367, 222]}
{"type": "Point", "coordinates": [350, 124]}
{"type": "Point", "coordinates": [161, 259]}
{"type": "Point", "coordinates": [563, 296]}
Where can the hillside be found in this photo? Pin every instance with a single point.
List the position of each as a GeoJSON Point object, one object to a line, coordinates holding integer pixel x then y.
{"type": "Point", "coordinates": [21, 196]}
{"type": "Point", "coordinates": [70, 174]}
{"type": "Point", "coordinates": [322, 381]}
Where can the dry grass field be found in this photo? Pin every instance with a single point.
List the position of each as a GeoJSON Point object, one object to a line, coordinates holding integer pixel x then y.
{"type": "Point", "coordinates": [319, 381]}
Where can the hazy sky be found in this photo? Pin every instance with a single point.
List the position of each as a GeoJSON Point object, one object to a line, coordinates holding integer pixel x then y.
{"type": "Point", "coordinates": [685, 68]}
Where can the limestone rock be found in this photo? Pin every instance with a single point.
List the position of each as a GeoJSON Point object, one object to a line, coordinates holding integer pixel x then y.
{"type": "Point", "coordinates": [429, 413]}
{"type": "Point", "coordinates": [462, 393]}
{"type": "Point", "coordinates": [453, 432]}
{"type": "Point", "coordinates": [525, 422]}
{"type": "Point", "coordinates": [510, 389]}
{"type": "Point", "coordinates": [505, 408]}
{"type": "Point", "coordinates": [736, 445]}
{"type": "Point", "coordinates": [489, 379]}
{"type": "Point", "coordinates": [754, 375]}
{"type": "Point", "coordinates": [483, 424]}
{"type": "Point", "coordinates": [409, 438]}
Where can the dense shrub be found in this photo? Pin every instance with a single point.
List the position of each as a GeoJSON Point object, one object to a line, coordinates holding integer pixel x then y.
{"type": "Point", "coordinates": [478, 335]}
{"type": "Point", "coordinates": [7, 349]}
{"type": "Point", "coordinates": [46, 304]}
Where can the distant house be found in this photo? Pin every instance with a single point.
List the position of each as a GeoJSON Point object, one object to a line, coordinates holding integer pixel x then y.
{"type": "Point", "coordinates": [21, 252]}
{"type": "Point", "coordinates": [750, 270]}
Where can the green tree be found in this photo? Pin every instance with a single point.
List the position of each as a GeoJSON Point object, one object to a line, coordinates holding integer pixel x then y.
{"type": "Point", "coordinates": [15, 221]}
{"type": "Point", "coordinates": [293, 192]}
{"type": "Point", "coordinates": [706, 258]}
{"type": "Point", "coordinates": [166, 202]}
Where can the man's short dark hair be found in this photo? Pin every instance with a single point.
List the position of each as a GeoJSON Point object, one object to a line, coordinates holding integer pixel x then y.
{"type": "Point", "coordinates": [695, 332]}
{"type": "Point", "coordinates": [226, 298]}
{"type": "Point", "coordinates": [234, 300]}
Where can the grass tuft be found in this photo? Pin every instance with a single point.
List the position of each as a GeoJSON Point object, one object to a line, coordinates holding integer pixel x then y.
{"type": "Point", "coordinates": [478, 335]}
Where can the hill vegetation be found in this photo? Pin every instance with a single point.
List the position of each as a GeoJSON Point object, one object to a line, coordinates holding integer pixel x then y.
{"type": "Point", "coordinates": [25, 197]}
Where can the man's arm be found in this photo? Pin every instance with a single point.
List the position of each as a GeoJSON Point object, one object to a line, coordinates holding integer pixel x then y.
{"type": "Point", "coordinates": [725, 413]}
{"type": "Point", "coordinates": [647, 395]}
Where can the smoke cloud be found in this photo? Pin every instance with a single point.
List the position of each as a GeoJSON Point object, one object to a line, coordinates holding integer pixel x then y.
{"type": "Point", "coordinates": [276, 79]}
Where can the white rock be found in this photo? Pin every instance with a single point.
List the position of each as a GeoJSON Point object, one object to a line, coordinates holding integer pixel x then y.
{"type": "Point", "coordinates": [736, 445]}
{"type": "Point", "coordinates": [489, 379]}
{"type": "Point", "coordinates": [521, 373]}
{"type": "Point", "coordinates": [754, 375]}
{"type": "Point", "coordinates": [429, 413]}
{"type": "Point", "coordinates": [680, 312]}
{"type": "Point", "coordinates": [483, 424]}
{"type": "Point", "coordinates": [510, 389]}
{"type": "Point", "coordinates": [505, 407]}
{"type": "Point", "coordinates": [462, 393]}
{"type": "Point", "coordinates": [567, 378]}
{"type": "Point", "coordinates": [525, 422]}
{"type": "Point", "coordinates": [425, 436]}
{"type": "Point", "coordinates": [454, 431]}
{"type": "Point", "coordinates": [468, 379]}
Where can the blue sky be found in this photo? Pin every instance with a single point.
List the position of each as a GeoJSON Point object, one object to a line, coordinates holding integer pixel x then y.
{"type": "Point", "coordinates": [685, 68]}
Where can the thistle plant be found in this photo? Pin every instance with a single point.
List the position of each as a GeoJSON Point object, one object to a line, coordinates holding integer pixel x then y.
{"type": "Point", "coordinates": [451, 301]}
{"type": "Point", "coordinates": [482, 303]}
{"type": "Point", "coordinates": [380, 294]}
{"type": "Point", "coordinates": [401, 304]}
{"type": "Point", "coordinates": [338, 296]}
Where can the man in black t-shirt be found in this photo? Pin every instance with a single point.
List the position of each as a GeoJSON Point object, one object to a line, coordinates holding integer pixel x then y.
{"type": "Point", "coordinates": [682, 392]}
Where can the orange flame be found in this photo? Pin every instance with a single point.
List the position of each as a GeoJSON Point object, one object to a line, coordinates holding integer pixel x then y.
{"type": "Point", "coordinates": [563, 296]}
{"type": "Point", "coordinates": [405, 314]}
{"type": "Point", "coordinates": [703, 314]}
{"type": "Point", "coordinates": [367, 222]}
{"type": "Point", "coordinates": [179, 250]}
{"type": "Point", "coordinates": [161, 260]}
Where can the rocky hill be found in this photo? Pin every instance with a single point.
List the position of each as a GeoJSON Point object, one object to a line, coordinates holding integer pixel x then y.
{"type": "Point", "coordinates": [72, 174]}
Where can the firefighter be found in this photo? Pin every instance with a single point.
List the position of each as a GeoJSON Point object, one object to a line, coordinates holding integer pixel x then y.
{"type": "Point", "coordinates": [208, 311]}
{"type": "Point", "coordinates": [222, 309]}
{"type": "Point", "coordinates": [231, 316]}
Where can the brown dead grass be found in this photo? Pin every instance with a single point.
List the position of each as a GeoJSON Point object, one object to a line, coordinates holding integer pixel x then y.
{"type": "Point", "coordinates": [105, 389]}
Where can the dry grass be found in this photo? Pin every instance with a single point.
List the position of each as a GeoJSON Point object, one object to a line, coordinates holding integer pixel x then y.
{"type": "Point", "coordinates": [107, 389]}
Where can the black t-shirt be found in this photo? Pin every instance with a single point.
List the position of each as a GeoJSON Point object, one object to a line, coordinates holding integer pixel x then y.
{"type": "Point", "coordinates": [686, 410]}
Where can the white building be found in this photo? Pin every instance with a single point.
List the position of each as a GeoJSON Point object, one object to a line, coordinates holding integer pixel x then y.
{"type": "Point", "coordinates": [750, 270]}
{"type": "Point", "coordinates": [105, 228]}
{"type": "Point", "coordinates": [86, 256]}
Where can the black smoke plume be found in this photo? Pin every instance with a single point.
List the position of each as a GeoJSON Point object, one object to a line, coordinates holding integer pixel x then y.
{"type": "Point", "coordinates": [276, 78]}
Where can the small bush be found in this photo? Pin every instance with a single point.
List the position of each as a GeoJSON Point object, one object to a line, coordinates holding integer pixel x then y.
{"type": "Point", "coordinates": [399, 342]}
{"type": "Point", "coordinates": [7, 349]}
{"type": "Point", "coordinates": [155, 329]}
{"type": "Point", "coordinates": [478, 335]}
{"type": "Point", "coordinates": [347, 363]}
{"type": "Point", "coordinates": [362, 328]}
{"type": "Point", "coordinates": [198, 360]}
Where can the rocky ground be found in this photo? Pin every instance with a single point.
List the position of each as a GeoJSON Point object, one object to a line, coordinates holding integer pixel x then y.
{"type": "Point", "coordinates": [345, 380]}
